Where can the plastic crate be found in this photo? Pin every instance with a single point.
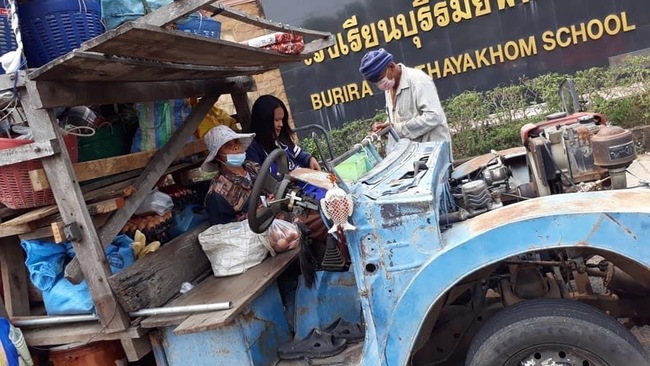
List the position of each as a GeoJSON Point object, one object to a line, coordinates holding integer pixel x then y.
{"type": "Point", "coordinates": [52, 28]}
{"type": "Point", "coordinates": [7, 39]}
{"type": "Point", "coordinates": [15, 186]}
{"type": "Point", "coordinates": [200, 25]}
{"type": "Point", "coordinates": [353, 167]}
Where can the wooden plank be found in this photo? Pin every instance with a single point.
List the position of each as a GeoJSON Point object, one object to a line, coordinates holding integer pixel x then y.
{"type": "Point", "coordinates": [226, 11]}
{"type": "Point", "coordinates": [14, 276]}
{"type": "Point", "coordinates": [241, 290]}
{"type": "Point", "coordinates": [95, 67]}
{"type": "Point", "coordinates": [76, 333]}
{"type": "Point", "coordinates": [157, 277]}
{"type": "Point", "coordinates": [56, 94]}
{"type": "Point", "coordinates": [157, 44]}
{"type": "Point", "coordinates": [32, 151]}
{"type": "Point", "coordinates": [168, 14]}
{"type": "Point", "coordinates": [152, 173]}
{"type": "Point", "coordinates": [46, 232]}
{"type": "Point", "coordinates": [114, 165]}
{"type": "Point", "coordinates": [30, 216]}
{"type": "Point", "coordinates": [8, 229]}
{"type": "Point", "coordinates": [73, 209]}
{"type": "Point", "coordinates": [136, 348]}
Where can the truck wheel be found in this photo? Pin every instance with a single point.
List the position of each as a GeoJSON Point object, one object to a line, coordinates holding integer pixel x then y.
{"type": "Point", "coordinates": [554, 332]}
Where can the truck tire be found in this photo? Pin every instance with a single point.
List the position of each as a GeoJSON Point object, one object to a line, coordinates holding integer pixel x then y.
{"type": "Point", "coordinates": [558, 331]}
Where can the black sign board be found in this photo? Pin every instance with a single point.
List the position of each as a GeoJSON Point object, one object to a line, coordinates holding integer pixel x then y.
{"type": "Point", "coordinates": [461, 44]}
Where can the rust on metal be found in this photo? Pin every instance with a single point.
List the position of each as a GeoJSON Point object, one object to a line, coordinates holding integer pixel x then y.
{"type": "Point", "coordinates": [626, 229]}
{"type": "Point", "coordinates": [618, 201]}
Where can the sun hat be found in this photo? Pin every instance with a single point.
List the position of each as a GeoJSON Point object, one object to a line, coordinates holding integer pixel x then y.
{"type": "Point", "coordinates": [373, 64]}
{"type": "Point", "coordinates": [216, 138]}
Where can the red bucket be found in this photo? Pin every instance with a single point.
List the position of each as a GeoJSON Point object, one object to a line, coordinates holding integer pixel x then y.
{"type": "Point", "coordinates": [16, 189]}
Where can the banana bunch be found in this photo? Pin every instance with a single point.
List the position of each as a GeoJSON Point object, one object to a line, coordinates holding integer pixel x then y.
{"type": "Point", "coordinates": [140, 246]}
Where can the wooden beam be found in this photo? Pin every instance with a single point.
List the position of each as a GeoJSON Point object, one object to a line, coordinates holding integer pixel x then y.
{"type": "Point", "coordinates": [136, 348]}
{"type": "Point", "coordinates": [243, 108]}
{"type": "Point", "coordinates": [14, 276]}
{"type": "Point", "coordinates": [147, 180]}
{"type": "Point", "coordinates": [47, 232]}
{"type": "Point", "coordinates": [170, 13]}
{"type": "Point", "coordinates": [72, 207]}
{"type": "Point", "coordinates": [241, 290]}
{"type": "Point", "coordinates": [30, 216]}
{"type": "Point", "coordinates": [156, 278]}
{"type": "Point", "coordinates": [228, 12]}
{"type": "Point", "coordinates": [114, 165]}
{"type": "Point", "coordinates": [32, 151]}
{"type": "Point", "coordinates": [7, 229]}
{"type": "Point", "coordinates": [58, 94]}
{"type": "Point", "coordinates": [76, 333]}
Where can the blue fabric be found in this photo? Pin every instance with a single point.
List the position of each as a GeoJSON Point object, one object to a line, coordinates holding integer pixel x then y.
{"type": "Point", "coordinates": [190, 217]}
{"type": "Point", "coordinates": [44, 261]}
{"type": "Point", "coordinates": [373, 64]}
{"type": "Point", "coordinates": [10, 351]}
{"type": "Point", "coordinates": [116, 12]}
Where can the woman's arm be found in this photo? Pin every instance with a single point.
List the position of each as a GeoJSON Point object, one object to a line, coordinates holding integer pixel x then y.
{"type": "Point", "coordinates": [305, 159]}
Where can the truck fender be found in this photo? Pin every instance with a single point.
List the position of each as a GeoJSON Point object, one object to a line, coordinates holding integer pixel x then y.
{"type": "Point", "coordinates": [612, 221]}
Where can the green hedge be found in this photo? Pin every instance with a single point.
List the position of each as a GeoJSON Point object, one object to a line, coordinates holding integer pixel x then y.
{"type": "Point", "coordinates": [481, 121]}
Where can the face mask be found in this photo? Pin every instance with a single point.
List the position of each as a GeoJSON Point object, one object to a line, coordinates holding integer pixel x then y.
{"type": "Point", "coordinates": [385, 84]}
{"type": "Point", "coordinates": [235, 160]}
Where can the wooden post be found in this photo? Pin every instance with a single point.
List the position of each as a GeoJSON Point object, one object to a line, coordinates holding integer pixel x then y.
{"type": "Point", "coordinates": [73, 210]}
{"type": "Point", "coordinates": [240, 100]}
{"type": "Point", "coordinates": [146, 181]}
{"type": "Point", "coordinates": [14, 277]}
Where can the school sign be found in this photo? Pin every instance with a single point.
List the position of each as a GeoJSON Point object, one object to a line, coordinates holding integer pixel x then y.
{"type": "Point", "coordinates": [461, 44]}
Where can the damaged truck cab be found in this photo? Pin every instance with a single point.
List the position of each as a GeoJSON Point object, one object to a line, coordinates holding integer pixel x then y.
{"type": "Point", "coordinates": [528, 256]}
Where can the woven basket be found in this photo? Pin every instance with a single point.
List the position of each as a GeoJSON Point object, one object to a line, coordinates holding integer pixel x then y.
{"type": "Point", "coordinates": [52, 28]}
{"type": "Point", "coordinates": [16, 189]}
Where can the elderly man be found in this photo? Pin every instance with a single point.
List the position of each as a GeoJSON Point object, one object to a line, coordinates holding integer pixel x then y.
{"type": "Point", "coordinates": [412, 102]}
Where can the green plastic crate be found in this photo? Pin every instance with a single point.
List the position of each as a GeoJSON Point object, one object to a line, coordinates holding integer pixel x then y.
{"type": "Point", "coordinates": [353, 167]}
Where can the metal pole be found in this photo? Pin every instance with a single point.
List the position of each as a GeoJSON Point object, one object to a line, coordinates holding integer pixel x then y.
{"type": "Point", "coordinates": [51, 320]}
{"type": "Point", "coordinates": [175, 310]}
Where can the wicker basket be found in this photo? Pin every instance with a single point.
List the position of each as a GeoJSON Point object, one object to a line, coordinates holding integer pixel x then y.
{"type": "Point", "coordinates": [16, 189]}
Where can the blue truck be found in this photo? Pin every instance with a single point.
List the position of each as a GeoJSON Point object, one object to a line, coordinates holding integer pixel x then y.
{"type": "Point", "coordinates": [535, 255]}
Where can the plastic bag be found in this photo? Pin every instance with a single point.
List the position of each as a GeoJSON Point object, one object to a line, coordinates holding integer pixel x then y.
{"type": "Point", "coordinates": [155, 202]}
{"type": "Point", "coordinates": [283, 236]}
{"type": "Point", "coordinates": [157, 122]}
{"type": "Point", "coordinates": [233, 248]}
{"type": "Point", "coordinates": [185, 220]}
{"type": "Point", "coordinates": [45, 261]}
{"type": "Point", "coordinates": [116, 12]}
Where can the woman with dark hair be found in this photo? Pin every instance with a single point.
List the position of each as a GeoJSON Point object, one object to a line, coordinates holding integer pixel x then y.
{"type": "Point", "coordinates": [270, 123]}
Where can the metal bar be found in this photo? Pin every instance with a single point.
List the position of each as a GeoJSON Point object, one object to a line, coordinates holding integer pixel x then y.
{"type": "Point", "coordinates": [321, 129]}
{"type": "Point", "coordinates": [51, 320]}
{"type": "Point", "coordinates": [175, 310]}
{"type": "Point", "coordinates": [365, 142]}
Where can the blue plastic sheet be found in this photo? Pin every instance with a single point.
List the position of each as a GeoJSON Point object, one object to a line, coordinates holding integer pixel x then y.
{"type": "Point", "coordinates": [9, 353]}
{"type": "Point", "coordinates": [45, 262]}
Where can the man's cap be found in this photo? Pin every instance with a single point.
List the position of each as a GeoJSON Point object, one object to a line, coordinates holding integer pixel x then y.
{"type": "Point", "coordinates": [373, 64]}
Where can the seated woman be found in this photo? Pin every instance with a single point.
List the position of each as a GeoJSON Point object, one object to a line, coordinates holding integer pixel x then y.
{"type": "Point", "coordinates": [232, 185]}
{"type": "Point", "coordinates": [230, 188]}
{"type": "Point", "coordinates": [270, 124]}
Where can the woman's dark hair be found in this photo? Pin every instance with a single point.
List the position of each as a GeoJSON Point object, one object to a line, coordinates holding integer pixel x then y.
{"type": "Point", "coordinates": [262, 117]}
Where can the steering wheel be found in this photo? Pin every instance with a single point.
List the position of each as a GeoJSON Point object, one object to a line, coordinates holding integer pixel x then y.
{"type": "Point", "coordinates": [260, 220]}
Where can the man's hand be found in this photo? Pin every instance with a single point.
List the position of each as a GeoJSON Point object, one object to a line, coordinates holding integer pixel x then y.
{"type": "Point", "coordinates": [378, 126]}
{"type": "Point", "coordinates": [313, 164]}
